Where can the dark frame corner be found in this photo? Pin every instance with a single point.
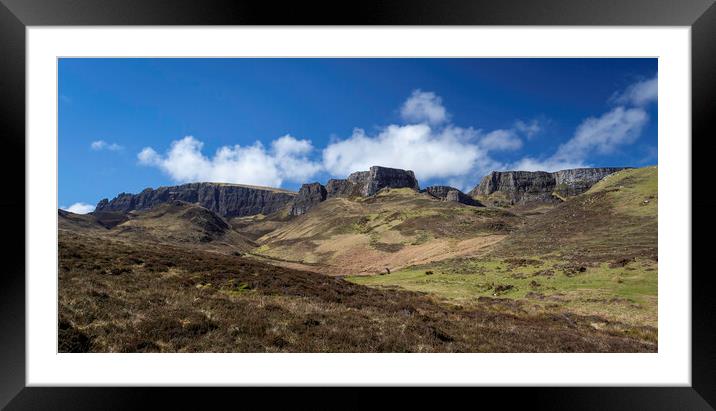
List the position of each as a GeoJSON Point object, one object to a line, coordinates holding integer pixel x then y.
{"type": "Point", "coordinates": [15, 15]}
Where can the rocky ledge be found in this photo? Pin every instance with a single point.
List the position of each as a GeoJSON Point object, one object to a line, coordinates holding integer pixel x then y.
{"type": "Point", "coordinates": [519, 187]}
{"type": "Point", "coordinates": [308, 196]}
{"type": "Point", "coordinates": [227, 200]}
{"type": "Point", "coordinates": [367, 183]}
{"type": "Point", "coordinates": [358, 184]}
{"type": "Point", "coordinates": [235, 200]}
{"type": "Point", "coordinates": [447, 193]}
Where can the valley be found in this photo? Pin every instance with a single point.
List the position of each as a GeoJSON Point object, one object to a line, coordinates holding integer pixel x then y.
{"type": "Point", "coordinates": [525, 262]}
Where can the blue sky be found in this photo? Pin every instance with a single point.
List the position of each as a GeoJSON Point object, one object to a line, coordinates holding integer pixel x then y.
{"type": "Point", "coordinates": [128, 124]}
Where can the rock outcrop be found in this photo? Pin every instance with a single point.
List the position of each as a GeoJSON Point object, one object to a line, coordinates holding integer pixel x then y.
{"type": "Point", "coordinates": [578, 180]}
{"type": "Point", "coordinates": [227, 200]}
{"type": "Point", "coordinates": [447, 193]}
{"type": "Point", "coordinates": [342, 188]}
{"type": "Point", "coordinates": [518, 187]}
{"type": "Point", "coordinates": [235, 200]}
{"type": "Point", "coordinates": [367, 183]}
{"type": "Point", "coordinates": [308, 196]}
{"type": "Point", "coordinates": [358, 184]}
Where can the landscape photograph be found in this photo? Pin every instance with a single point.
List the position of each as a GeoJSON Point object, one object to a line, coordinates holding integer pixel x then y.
{"type": "Point", "coordinates": [357, 205]}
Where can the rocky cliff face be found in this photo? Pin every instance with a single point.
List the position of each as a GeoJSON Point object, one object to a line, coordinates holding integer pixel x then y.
{"type": "Point", "coordinates": [530, 186]}
{"type": "Point", "coordinates": [380, 177]}
{"type": "Point", "coordinates": [578, 180]}
{"type": "Point", "coordinates": [358, 184]}
{"type": "Point", "coordinates": [367, 183]}
{"type": "Point", "coordinates": [447, 193]}
{"type": "Point", "coordinates": [227, 200]}
{"type": "Point", "coordinates": [308, 196]}
{"type": "Point", "coordinates": [518, 186]}
{"type": "Point", "coordinates": [234, 200]}
{"type": "Point", "coordinates": [342, 188]}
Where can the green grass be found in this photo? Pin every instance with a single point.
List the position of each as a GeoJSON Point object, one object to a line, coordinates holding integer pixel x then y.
{"type": "Point", "coordinates": [625, 293]}
{"type": "Point", "coordinates": [422, 237]}
{"type": "Point", "coordinates": [633, 192]}
{"type": "Point", "coordinates": [262, 249]}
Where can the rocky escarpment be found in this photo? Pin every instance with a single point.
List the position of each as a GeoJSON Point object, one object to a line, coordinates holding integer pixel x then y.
{"type": "Point", "coordinates": [367, 183]}
{"type": "Point", "coordinates": [308, 196]}
{"type": "Point", "coordinates": [342, 188]}
{"type": "Point", "coordinates": [447, 193]}
{"type": "Point", "coordinates": [578, 180]}
{"type": "Point", "coordinates": [235, 200]}
{"type": "Point", "coordinates": [518, 187]}
{"type": "Point", "coordinates": [227, 200]}
{"type": "Point", "coordinates": [358, 184]}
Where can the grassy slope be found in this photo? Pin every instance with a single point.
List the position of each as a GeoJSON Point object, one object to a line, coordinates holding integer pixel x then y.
{"type": "Point", "coordinates": [119, 296]}
{"type": "Point", "coordinates": [173, 223]}
{"type": "Point", "coordinates": [594, 254]}
{"type": "Point", "coordinates": [393, 229]}
{"type": "Point", "coordinates": [577, 277]}
{"type": "Point", "coordinates": [616, 218]}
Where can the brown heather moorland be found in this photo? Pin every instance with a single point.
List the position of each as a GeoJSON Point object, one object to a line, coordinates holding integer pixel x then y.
{"type": "Point", "coordinates": [125, 297]}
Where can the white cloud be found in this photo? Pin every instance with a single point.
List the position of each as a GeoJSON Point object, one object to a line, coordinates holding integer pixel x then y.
{"type": "Point", "coordinates": [501, 140]}
{"type": "Point", "coordinates": [601, 135]}
{"type": "Point", "coordinates": [103, 145]}
{"type": "Point", "coordinates": [148, 156]}
{"type": "Point", "coordinates": [424, 107]}
{"type": "Point", "coordinates": [286, 161]}
{"type": "Point", "coordinates": [638, 94]}
{"type": "Point", "coordinates": [528, 129]}
{"type": "Point", "coordinates": [430, 153]}
{"type": "Point", "coordinates": [288, 146]}
{"type": "Point", "coordinates": [604, 134]}
{"type": "Point", "coordinates": [79, 208]}
{"type": "Point", "coordinates": [430, 145]}
{"type": "Point", "coordinates": [550, 164]}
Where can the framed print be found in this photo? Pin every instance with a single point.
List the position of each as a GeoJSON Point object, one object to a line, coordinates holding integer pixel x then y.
{"type": "Point", "coordinates": [455, 195]}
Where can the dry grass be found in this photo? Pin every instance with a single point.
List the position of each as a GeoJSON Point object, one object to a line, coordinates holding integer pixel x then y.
{"type": "Point", "coordinates": [396, 228]}
{"type": "Point", "coordinates": [616, 219]}
{"type": "Point", "coordinates": [118, 296]}
{"type": "Point", "coordinates": [580, 276]}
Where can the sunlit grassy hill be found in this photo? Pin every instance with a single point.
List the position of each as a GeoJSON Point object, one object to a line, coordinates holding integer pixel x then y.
{"type": "Point", "coordinates": [595, 253]}
{"type": "Point", "coordinates": [395, 228]}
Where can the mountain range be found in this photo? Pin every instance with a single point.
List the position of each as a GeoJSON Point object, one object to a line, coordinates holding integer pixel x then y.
{"type": "Point", "coordinates": [235, 200]}
{"type": "Point", "coordinates": [566, 260]}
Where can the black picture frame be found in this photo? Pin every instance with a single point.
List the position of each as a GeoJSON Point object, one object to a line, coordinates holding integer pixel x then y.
{"type": "Point", "coordinates": [16, 15]}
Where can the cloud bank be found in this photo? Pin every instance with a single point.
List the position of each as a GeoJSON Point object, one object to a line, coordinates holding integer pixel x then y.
{"type": "Point", "coordinates": [427, 142]}
{"type": "Point", "coordinates": [286, 160]}
{"type": "Point", "coordinates": [79, 208]}
{"type": "Point", "coordinates": [429, 152]}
